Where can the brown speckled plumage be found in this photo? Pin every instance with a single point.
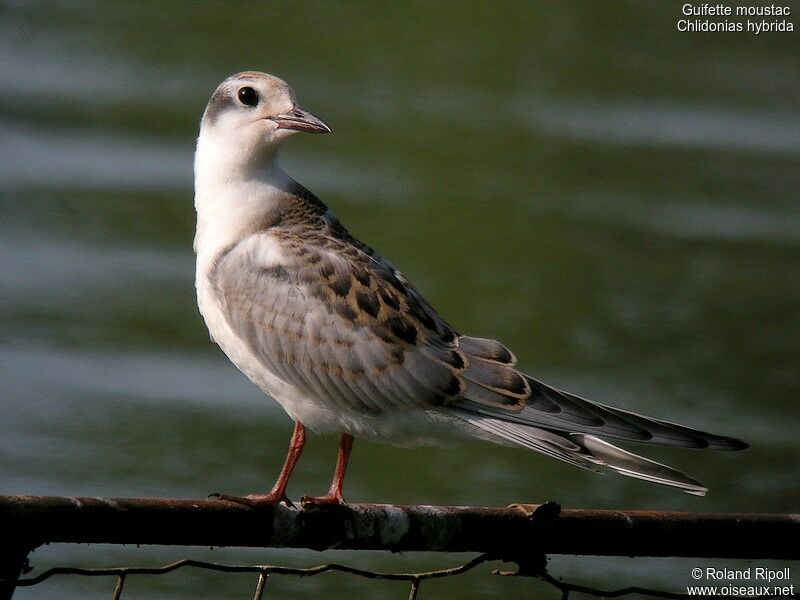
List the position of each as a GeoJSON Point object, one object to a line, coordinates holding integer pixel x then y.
{"type": "Point", "coordinates": [375, 344]}
{"type": "Point", "coordinates": [414, 355]}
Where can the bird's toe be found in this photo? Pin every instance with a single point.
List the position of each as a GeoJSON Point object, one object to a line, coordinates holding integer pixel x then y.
{"type": "Point", "coordinates": [327, 500]}
{"type": "Point", "coordinates": [255, 500]}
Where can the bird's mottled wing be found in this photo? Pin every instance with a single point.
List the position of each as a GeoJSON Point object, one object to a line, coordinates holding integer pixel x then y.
{"type": "Point", "coordinates": [338, 322]}
{"type": "Point", "coordinates": [327, 314]}
{"type": "Point", "coordinates": [554, 410]}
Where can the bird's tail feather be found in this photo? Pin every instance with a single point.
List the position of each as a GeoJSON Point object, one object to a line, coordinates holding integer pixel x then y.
{"type": "Point", "coordinates": [586, 451]}
{"type": "Point", "coordinates": [633, 465]}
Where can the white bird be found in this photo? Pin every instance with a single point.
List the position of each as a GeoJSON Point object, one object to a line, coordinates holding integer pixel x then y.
{"type": "Point", "coordinates": [339, 337]}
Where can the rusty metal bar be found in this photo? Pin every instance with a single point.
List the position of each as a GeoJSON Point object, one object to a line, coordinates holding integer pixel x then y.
{"type": "Point", "coordinates": [513, 532]}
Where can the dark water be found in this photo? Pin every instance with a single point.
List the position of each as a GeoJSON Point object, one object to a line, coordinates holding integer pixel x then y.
{"type": "Point", "coordinates": [615, 200]}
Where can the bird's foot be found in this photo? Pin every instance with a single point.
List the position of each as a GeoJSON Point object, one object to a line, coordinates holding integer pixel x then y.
{"type": "Point", "coordinates": [255, 500]}
{"type": "Point", "coordinates": [327, 500]}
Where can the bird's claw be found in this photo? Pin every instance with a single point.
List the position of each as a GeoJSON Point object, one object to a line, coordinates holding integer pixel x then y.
{"type": "Point", "coordinates": [255, 500]}
{"type": "Point", "coordinates": [327, 500]}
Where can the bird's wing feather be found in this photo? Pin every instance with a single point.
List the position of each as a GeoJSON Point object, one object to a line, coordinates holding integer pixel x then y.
{"type": "Point", "coordinates": [526, 401]}
{"type": "Point", "coordinates": [570, 428]}
{"type": "Point", "coordinates": [338, 322]}
{"type": "Point", "coordinates": [553, 409]}
{"type": "Point", "coordinates": [330, 316]}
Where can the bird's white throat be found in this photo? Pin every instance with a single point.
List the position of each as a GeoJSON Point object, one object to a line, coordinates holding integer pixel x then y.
{"type": "Point", "coordinates": [235, 188]}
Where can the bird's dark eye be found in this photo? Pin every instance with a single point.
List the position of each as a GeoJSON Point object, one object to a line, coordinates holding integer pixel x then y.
{"type": "Point", "coordinates": [248, 96]}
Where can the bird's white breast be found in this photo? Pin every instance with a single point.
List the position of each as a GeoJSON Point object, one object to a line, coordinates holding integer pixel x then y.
{"type": "Point", "coordinates": [227, 208]}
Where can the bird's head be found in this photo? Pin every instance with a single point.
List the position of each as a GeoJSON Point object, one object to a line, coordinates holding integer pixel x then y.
{"type": "Point", "coordinates": [248, 117]}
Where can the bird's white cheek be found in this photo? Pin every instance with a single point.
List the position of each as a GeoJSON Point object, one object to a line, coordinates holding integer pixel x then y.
{"type": "Point", "coordinates": [255, 139]}
{"type": "Point", "coordinates": [265, 133]}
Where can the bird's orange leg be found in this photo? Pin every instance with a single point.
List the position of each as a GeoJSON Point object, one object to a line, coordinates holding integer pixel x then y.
{"type": "Point", "coordinates": [334, 495]}
{"type": "Point", "coordinates": [278, 492]}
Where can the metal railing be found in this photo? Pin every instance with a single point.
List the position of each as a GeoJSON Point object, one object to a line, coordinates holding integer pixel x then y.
{"type": "Point", "coordinates": [521, 534]}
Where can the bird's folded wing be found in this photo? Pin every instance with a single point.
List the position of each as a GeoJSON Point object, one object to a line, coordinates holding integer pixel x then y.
{"type": "Point", "coordinates": [334, 319]}
{"type": "Point", "coordinates": [549, 408]}
{"type": "Point", "coordinates": [338, 322]}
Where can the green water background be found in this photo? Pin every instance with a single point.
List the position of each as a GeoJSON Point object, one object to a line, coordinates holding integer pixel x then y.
{"type": "Point", "coordinates": [615, 200]}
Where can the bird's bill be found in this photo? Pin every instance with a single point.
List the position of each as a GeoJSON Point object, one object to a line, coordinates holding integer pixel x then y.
{"type": "Point", "coordinates": [301, 120]}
